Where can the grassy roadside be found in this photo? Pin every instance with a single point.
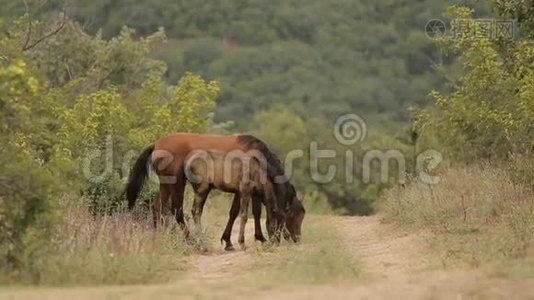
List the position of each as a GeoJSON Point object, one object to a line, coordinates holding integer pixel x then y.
{"type": "Point", "coordinates": [114, 256]}
{"type": "Point", "coordinates": [320, 258]}
{"type": "Point", "coordinates": [90, 250]}
{"type": "Point", "coordinates": [478, 216]}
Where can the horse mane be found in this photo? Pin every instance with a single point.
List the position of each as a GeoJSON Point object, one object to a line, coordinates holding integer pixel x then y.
{"type": "Point", "coordinates": [274, 165]}
{"type": "Point", "coordinates": [283, 189]}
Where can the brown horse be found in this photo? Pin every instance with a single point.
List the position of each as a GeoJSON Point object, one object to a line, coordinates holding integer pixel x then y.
{"type": "Point", "coordinates": [168, 155]}
{"type": "Point", "coordinates": [293, 220]}
{"type": "Point", "coordinates": [240, 173]}
{"type": "Point", "coordinates": [257, 200]}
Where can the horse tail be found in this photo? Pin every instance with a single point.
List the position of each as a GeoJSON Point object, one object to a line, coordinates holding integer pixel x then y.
{"type": "Point", "coordinates": [137, 176]}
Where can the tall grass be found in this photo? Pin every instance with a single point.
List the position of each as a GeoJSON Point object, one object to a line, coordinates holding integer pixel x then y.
{"type": "Point", "coordinates": [108, 249]}
{"type": "Point", "coordinates": [477, 214]}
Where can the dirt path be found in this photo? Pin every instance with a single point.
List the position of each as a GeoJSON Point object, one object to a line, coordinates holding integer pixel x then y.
{"type": "Point", "coordinates": [385, 253]}
{"type": "Point", "coordinates": [396, 265]}
{"type": "Point", "coordinates": [220, 264]}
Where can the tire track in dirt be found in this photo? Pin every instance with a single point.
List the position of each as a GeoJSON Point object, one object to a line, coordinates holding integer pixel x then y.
{"type": "Point", "coordinates": [397, 265]}
{"type": "Point", "coordinates": [385, 252]}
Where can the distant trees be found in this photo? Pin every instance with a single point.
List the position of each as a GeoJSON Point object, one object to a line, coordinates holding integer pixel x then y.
{"type": "Point", "coordinates": [363, 55]}
{"type": "Point", "coordinates": [284, 70]}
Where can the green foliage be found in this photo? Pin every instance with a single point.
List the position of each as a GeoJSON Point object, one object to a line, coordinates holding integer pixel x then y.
{"type": "Point", "coordinates": [92, 119]}
{"type": "Point", "coordinates": [347, 192]}
{"type": "Point", "coordinates": [74, 111]}
{"type": "Point", "coordinates": [489, 113]}
{"type": "Point", "coordinates": [17, 87]}
{"type": "Point", "coordinates": [478, 214]}
{"type": "Point", "coordinates": [376, 60]}
{"type": "Point", "coordinates": [26, 188]}
{"type": "Point", "coordinates": [92, 62]}
{"type": "Point", "coordinates": [192, 102]}
{"type": "Point", "coordinates": [26, 192]}
{"type": "Point", "coordinates": [282, 128]}
{"type": "Point", "coordinates": [277, 57]}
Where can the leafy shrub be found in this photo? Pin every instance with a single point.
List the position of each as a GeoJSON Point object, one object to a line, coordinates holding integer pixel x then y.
{"type": "Point", "coordinates": [72, 123]}
{"type": "Point", "coordinates": [26, 192]}
{"type": "Point", "coordinates": [489, 113]}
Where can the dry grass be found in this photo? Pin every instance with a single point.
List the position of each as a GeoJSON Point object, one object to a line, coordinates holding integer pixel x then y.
{"type": "Point", "coordinates": [92, 250]}
{"type": "Point", "coordinates": [477, 214]}
{"type": "Point", "coordinates": [124, 249]}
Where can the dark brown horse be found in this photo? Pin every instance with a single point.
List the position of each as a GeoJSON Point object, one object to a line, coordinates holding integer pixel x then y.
{"type": "Point", "coordinates": [168, 155]}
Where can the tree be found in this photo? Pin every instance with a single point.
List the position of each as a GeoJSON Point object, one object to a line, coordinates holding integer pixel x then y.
{"type": "Point", "coordinates": [489, 113]}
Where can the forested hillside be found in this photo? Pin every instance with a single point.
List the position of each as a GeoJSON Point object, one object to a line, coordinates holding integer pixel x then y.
{"type": "Point", "coordinates": [285, 69]}
{"type": "Point", "coordinates": [317, 58]}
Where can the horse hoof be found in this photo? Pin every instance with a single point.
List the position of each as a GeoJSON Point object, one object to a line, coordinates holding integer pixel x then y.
{"type": "Point", "coordinates": [260, 238]}
{"type": "Point", "coordinates": [229, 248]}
{"type": "Point", "coordinates": [242, 246]}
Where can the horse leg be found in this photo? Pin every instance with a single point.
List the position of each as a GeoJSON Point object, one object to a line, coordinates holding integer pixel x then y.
{"type": "Point", "coordinates": [232, 215]}
{"type": "Point", "coordinates": [156, 211]}
{"type": "Point", "coordinates": [270, 219]}
{"type": "Point", "coordinates": [177, 196]}
{"type": "Point", "coordinates": [275, 218]}
{"type": "Point", "coordinates": [159, 204]}
{"type": "Point", "coordinates": [280, 226]}
{"type": "Point", "coordinates": [243, 212]}
{"type": "Point", "coordinates": [256, 212]}
{"type": "Point", "coordinates": [201, 194]}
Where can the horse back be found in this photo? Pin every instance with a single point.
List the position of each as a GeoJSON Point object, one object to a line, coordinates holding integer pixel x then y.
{"type": "Point", "coordinates": [172, 150]}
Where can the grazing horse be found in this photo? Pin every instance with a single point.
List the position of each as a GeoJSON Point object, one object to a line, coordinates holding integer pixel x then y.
{"type": "Point", "coordinates": [257, 200]}
{"type": "Point", "coordinates": [241, 174]}
{"type": "Point", "coordinates": [293, 220]}
{"type": "Point", "coordinates": [168, 155]}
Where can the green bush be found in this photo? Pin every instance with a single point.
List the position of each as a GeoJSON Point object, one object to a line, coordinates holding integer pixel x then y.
{"type": "Point", "coordinates": [71, 122]}
{"type": "Point", "coordinates": [26, 203]}
{"type": "Point", "coordinates": [489, 113]}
